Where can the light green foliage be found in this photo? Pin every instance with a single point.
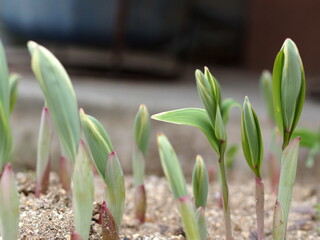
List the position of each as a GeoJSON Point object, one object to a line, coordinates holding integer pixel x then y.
{"type": "Point", "coordinates": [115, 190]}
{"type": "Point", "coordinates": [278, 223]}
{"type": "Point", "coordinates": [142, 128]}
{"type": "Point", "coordinates": [98, 141]}
{"type": "Point", "coordinates": [219, 127]}
{"type": "Point", "coordinates": [171, 167]}
{"type": "Point", "coordinates": [266, 89]}
{"type": "Point", "coordinates": [252, 143]}
{"type": "Point", "coordinates": [195, 117]}
{"type": "Point", "coordinates": [309, 139]}
{"type": "Point", "coordinates": [13, 86]}
{"type": "Point", "coordinates": [188, 217]}
{"type": "Point", "coordinates": [226, 105]}
{"type": "Point", "coordinates": [5, 133]}
{"type": "Point", "coordinates": [288, 87]}
{"type": "Point", "coordinates": [59, 95]}
{"type": "Point", "coordinates": [142, 134]}
{"type": "Point", "coordinates": [9, 202]}
{"type": "Point", "coordinates": [200, 183]}
{"type": "Point", "coordinates": [287, 178]}
{"type": "Point", "coordinates": [82, 192]}
{"type": "Point", "coordinates": [231, 153]}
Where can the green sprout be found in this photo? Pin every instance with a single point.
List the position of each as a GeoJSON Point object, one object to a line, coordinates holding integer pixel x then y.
{"type": "Point", "coordinates": [43, 153]}
{"type": "Point", "coordinates": [200, 183]}
{"type": "Point", "coordinates": [9, 202]}
{"type": "Point", "coordinates": [288, 88]}
{"type": "Point", "coordinates": [5, 133]}
{"type": "Point", "coordinates": [141, 134]}
{"type": "Point", "coordinates": [177, 183]}
{"type": "Point", "coordinates": [252, 146]}
{"type": "Point", "coordinates": [107, 164]}
{"type": "Point", "coordinates": [82, 192]}
{"type": "Point", "coordinates": [266, 89]}
{"type": "Point", "coordinates": [211, 121]}
{"type": "Point", "coordinates": [59, 96]}
{"type": "Point", "coordinates": [13, 86]}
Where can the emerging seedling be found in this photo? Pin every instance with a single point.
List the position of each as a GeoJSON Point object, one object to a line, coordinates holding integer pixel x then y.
{"type": "Point", "coordinates": [43, 153]}
{"type": "Point", "coordinates": [288, 88]}
{"type": "Point", "coordinates": [5, 133]}
{"type": "Point", "coordinates": [59, 96]}
{"type": "Point", "coordinates": [9, 205]}
{"type": "Point", "coordinates": [200, 183]}
{"type": "Point", "coordinates": [211, 121]}
{"type": "Point", "coordinates": [252, 146]}
{"type": "Point", "coordinates": [82, 192]}
{"type": "Point", "coordinates": [141, 134]}
{"type": "Point", "coordinates": [107, 164]}
{"type": "Point", "coordinates": [177, 183]}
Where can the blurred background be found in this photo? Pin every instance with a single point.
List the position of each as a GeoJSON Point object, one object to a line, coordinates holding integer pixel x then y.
{"type": "Point", "coordinates": [121, 53]}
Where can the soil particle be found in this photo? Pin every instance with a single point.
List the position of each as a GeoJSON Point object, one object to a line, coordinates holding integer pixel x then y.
{"type": "Point", "coordinates": [51, 217]}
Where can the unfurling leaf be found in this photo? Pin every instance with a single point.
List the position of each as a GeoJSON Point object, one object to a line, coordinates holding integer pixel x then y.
{"type": "Point", "coordinates": [115, 189]}
{"type": "Point", "coordinates": [59, 95]}
{"type": "Point", "coordinates": [9, 202]}
{"type": "Point", "coordinates": [171, 167]}
{"type": "Point", "coordinates": [142, 129]}
{"type": "Point", "coordinates": [82, 192]}
{"type": "Point", "coordinates": [200, 183]}
{"type": "Point", "coordinates": [43, 152]}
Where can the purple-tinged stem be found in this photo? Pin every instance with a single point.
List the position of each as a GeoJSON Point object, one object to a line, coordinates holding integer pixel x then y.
{"type": "Point", "coordinates": [260, 208]}
{"type": "Point", "coordinates": [108, 224]}
{"type": "Point", "coordinates": [75, 236]}
{"type": "Point", "coordinates": [140, 203]}
{"type": "Point", "coordinates": [65, 173]}
{"type": "Point", "coordinates": [42, 184]}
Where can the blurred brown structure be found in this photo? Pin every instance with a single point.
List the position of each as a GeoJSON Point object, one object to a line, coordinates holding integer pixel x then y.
{"type": "Point", "coordinates": [270, 22]}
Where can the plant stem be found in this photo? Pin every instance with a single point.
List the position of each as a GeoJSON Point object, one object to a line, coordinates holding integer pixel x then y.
{"type": "Point", "coordinates": [225, 196]}
{"type": "Point", "coordinates": [260, 207]}
{"type": "Point", "coordinates": [286, 139]}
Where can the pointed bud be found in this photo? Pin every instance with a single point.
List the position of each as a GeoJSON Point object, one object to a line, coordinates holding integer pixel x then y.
{"type": "Point", "coordinates": [266, 89]}
{"type": "Point", "coordinates": [209, 92]}
{"type": "Point", "coordinates": [252, 143]}
{"type": "Point", "coordinates": [9, 202]}
{"type": "Point", "coordinates": [82, 192]}
{"type": "Point", "coordinates": [108, 224]}
{"type": "Point", "coordinates": [65, 172]}
{"type": "Point", "coordinates": [140, 203]}
{"type": "Point", "coordinates": [200, 183]}
{"type": "Point", "coordinates": [288, 87]}
{"type": "Point", "coordinates": [188, 217]}
{"type": "Point", "coordinates": [44, 152]}
{"type": "Point", "coordinates": [202, 225]}
{"type": "Point", "coordinates": [171, 167]}
{"type": "Point", "coordinates": [142, 128]}
{"type": "Point", "coordinates": [115, 190]}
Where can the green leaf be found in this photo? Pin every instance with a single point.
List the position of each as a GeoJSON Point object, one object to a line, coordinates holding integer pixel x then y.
{"type": "Point", "coordinates": [44, 151]}
{"type": "Point", "coordinates": [202, 225]}
{"type": "Point", "coordinates": [98, 140]}
{"type": "Point", "coordinates": [200, 183]}
{"type": "Point", "coordinates": [171, 167]}
{"type": "Point", "coordinates": [9, 202]}
{"type": "Point", "coordinates": [59, 95]}
{"type": "Point", "coordinates": [252, 143]}
{"type": "Point", "coordinates": [308, 137]}
{"type": "Point", "coordinates": [226, 105]}
{"type": "Point", "coordinates": [266, 89]}
{"type": "Point", "coordinates": [287, 177]}
{"type": "Point", "coordinates": [195, 117]}
{"type": "Point", "coordinates": [188, 218]}
{"type": "Point", "coordinates": [5, 133]}
{"type": "Point", "coordinates": [82, 192]}
{"type": "Point", "coordinates": [142, 128]}
{"type": "Point", "coordinates": [115, 190]}
{"type": "Point", "coordinates": [13, 86]}
{"type": "Point", "coordinates": [219, 129]}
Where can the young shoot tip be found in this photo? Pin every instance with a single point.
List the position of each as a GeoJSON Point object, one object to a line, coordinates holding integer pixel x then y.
{"type": "Point", "coordinates": [184, 199]}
